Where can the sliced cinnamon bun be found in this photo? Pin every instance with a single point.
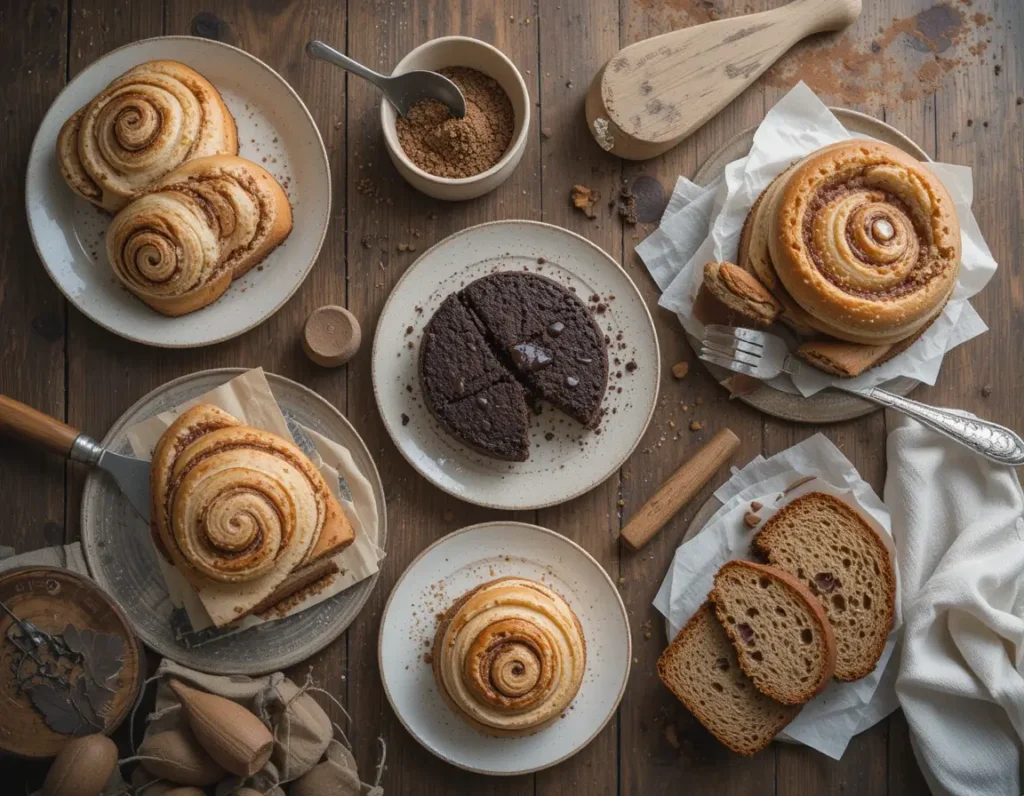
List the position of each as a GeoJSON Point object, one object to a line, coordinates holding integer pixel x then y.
{"type": "Point", "coordinates": [236, 506]}
{"type": "Point", "coordinates": [509, 657]}
{"type": "Point", "coordinates": [858, 240]}
{"type": "Point", "coordinates": [179, 245]}
{"type": "Point", "coordinates": [146, 123]}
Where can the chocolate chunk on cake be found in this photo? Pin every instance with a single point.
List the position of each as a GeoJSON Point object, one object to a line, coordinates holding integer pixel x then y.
{"type": "Point", "coordinates": [504, 341]}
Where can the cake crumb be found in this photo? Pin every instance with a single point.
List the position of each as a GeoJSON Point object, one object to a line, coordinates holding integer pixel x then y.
{"type": "Point", "coordinates": [755, 506]}
{"type": "Point", "coordinates": [751, 520]}
{"type": "Point", "coordinates": [696, 425]}
{"type": "Point", "coordinates": [986, 391]}
{"type": "Point", "coordinates": [680, 369]}
{"type": "Point", "coordinates": [584, 198]}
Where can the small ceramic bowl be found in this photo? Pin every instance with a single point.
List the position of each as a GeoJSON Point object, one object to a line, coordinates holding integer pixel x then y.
{"type": "Point", "coordinates": [475, 54]}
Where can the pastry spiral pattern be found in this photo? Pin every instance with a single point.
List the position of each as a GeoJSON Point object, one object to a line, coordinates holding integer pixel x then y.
{"type": "Point", "coordinates": [232, 503]}
{"type": "Point", "coordinates": [179, 245]}
{"type": "Point", "coordinates": [146, 123]}
{"type": "Point", "coordinates": [509, 656]}
{"type": "Point", "coordinates": [858, 241]}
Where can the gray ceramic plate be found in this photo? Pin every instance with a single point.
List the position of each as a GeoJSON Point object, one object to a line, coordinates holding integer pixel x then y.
{"type": "Point", "coordinates": [122, 560]}
{"type": "Point", "coordinates": [827, 406]}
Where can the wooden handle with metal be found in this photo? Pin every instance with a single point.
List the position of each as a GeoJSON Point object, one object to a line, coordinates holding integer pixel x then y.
{"type": "Point", "coordinates": [24, 422]}
{"type": "Point", "coordinates": [679, 489]}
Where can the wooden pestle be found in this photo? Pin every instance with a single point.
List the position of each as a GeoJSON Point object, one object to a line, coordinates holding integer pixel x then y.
{"type": "Point", "coordinates": [679, 489]}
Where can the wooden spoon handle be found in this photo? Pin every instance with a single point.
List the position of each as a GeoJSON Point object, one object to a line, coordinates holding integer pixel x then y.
{"type": "Point", "coordinates": [24, 422]}
{"type": "Point", "coordinates": [679, 489]}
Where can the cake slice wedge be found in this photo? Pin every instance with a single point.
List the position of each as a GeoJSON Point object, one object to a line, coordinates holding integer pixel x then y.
{"type": "Point", "coordinates": [701, 669]}
{"type": "Point", "coordinates": [781, 635]}
{"type": "Point", "coordinates": [827, 545]}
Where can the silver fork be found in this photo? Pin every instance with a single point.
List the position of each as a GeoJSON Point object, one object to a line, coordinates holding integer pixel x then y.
{"type": "Point", "coordinates": [765, 356]}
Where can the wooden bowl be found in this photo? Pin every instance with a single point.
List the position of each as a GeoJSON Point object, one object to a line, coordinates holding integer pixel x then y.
{"type": "Point", "coordinates": [52, 598]}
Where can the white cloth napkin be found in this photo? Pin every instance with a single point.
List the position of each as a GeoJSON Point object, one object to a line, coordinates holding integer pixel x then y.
{"type": "Point", "coordinates": [958, 523]}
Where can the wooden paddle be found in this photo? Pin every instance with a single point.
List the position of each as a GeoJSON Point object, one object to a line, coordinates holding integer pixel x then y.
{"type": "Point", "coordinates": [654, 93]}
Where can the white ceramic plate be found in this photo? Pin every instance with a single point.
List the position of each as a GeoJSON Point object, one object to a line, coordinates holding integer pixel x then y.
{"type": "Point", "coordinates": [565, 459]}
{"type": "Point", "coordinates": [274, 130]}
{"type": "Point", "coordinates": [468, 558]}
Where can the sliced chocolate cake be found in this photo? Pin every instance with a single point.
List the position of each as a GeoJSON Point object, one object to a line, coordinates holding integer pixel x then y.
{"type": "Point", "coordinates": [549, 336]}
{"type": "Point", "coordinates": [504, 339]}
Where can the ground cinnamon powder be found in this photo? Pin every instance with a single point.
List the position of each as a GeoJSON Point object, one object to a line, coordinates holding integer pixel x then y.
{"type": "Point", "coordinates": [455, 148]}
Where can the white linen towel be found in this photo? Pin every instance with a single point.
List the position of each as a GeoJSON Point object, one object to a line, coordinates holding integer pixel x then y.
{"type": "Point", "coordinates": [958, 524]}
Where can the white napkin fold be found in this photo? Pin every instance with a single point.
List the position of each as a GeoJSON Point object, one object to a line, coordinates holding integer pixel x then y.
{"type": "Point", "coordinates": [958, 522]}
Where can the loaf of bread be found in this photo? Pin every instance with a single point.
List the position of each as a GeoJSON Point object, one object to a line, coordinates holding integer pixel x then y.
{"type": "Point", "coordinates": [828, 546]}
{"type": "Point", "coordinates": [782, 638]}
{"type": "Point", "coordinates": [700, 667]}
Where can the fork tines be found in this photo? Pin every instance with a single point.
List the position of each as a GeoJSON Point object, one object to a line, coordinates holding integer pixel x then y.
{"type": "Point", "coordinates": [737, 349]}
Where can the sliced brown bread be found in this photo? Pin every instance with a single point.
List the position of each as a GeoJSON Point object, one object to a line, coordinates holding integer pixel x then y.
{"type": "Point", "coordinates": [781, 634]}
{"type": "Point", "coordinates": [701, 669]}
{"type": "Point", "coordinates": [831, 548]}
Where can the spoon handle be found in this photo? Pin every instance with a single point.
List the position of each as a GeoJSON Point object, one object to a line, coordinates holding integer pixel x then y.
{"type": "Point", "coordinates": [324, 52]}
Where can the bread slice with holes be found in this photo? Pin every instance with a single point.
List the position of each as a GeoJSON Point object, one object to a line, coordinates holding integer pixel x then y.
{"type": "Point", "coordinates": [701, 669]}
{"type": "Point", "coordinates": [828, 546]}
{"type": "Point", "coordinates": [782, 637]}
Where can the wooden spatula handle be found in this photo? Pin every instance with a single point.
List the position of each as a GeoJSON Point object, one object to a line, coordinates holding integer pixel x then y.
{"type": "Point", "coordinates": [679, 489]}
{"type": "Point", "coordinates": [24, 422]}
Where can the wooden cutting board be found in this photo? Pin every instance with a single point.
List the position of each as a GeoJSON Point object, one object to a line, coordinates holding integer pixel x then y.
{"type": "Point", "coordinates": [653, 94]}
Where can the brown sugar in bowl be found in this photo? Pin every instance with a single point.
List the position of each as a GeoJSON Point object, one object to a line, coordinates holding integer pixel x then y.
{"type": "Point", "coordinates": [461, 51]}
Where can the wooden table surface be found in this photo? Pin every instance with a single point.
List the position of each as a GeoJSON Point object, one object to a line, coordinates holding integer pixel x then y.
{"type": "Point", "coordinates": [949, 75]}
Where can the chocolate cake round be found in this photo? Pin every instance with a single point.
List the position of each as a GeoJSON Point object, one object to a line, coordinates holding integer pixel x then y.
{"type": "Point", "coordinates": [502, 341]}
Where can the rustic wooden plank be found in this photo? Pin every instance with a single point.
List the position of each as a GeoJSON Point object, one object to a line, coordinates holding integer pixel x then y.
{"type": "Point", "coordinates": [576, 38]}
{"type": "Point", "coordinates": [862, 768]}
{"type": "Point", "coordinates": [660, 740]}
{"type": "Point", "coordinates": [33, 61]}
{"type": "Point", "coordinates": [385, 211]}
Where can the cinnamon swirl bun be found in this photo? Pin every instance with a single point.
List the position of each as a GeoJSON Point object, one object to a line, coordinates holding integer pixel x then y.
{"type": "Point", "coordinates": [179, 245]}
{"type": "Point", "coordinates": [147, 122]}
{"type": "Point", "coordinates": [236, 506]}
{"type": "Point", "coordinates": [509, 657]}
{"type": "Point", "coordinates": [858, 241]}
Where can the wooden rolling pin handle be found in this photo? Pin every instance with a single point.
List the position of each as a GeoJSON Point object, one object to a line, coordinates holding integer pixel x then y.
{"type": "Point", "coordinates": [24, 422]}
{"type": "Point", "coordinates": [679, 489]}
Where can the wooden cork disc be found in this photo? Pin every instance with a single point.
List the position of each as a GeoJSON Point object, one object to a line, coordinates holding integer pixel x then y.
{"type": "Point", "coordinates": [51, 599]}
{"type": "Point", "coordinates": [331, 336]}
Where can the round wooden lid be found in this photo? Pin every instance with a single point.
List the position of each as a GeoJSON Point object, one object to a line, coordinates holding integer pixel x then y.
{"type": "Point", "coordinates": [94, 663]}
{"type": "Point", "coordinates": [331, 336]}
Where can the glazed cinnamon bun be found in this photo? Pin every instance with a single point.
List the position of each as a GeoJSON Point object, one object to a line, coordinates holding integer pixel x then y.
{"type": "Point", "coordinates": [146, 123]}
{"type": "Point", "coordinates": [232, 504]}
{"type": "Point", "coordinates": [509, 657]}
{"type": "Point", "coordinates": [858, 241]}
{"type": "Point", "coordinates": [179, 245]}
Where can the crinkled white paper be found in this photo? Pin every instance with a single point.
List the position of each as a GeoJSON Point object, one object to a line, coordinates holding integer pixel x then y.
{"type": "Point", "coordinates": [831, 719]}
{"type": "Point", "coordinates": [702, 224]}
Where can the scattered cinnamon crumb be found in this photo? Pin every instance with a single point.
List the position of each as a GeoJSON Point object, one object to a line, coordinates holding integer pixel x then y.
{"type": "Point", "coordinates": [428, 658]}
{"type": "Point", "coordinates": [645, 628]}
{"type": "Point", "coordinates": [680, 369]}
{"type": "Point", "coordinates": [696, 425]}
{"type": "Point", "coordinates": [626, 206]}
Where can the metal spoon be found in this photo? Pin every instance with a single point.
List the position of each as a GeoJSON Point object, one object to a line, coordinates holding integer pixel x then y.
{"type": "Point", "coordinates": [404, 90]}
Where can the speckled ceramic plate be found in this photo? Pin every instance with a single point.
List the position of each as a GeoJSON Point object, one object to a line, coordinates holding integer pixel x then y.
{"type": "Point", "coordinates": [565, 459]}
{"type": "Point", "coordinates": [122, 560]}
{"type": "Point", "coordinates": [827, 406]}
{"type": "Point", "coordinates": [274, 130]}
{"type": "Point", "coordinates": [468, 558]}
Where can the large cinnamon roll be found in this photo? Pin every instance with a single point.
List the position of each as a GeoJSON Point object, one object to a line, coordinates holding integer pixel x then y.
{"type": "Point", "coordinates": [179, 245]}
{"type": "Point", "coordinates": [144, 124]}
{"type": "Point", "coordinates": [509, 656]}
{"type": "Point", "coordinates": [858, 241]}
{"type": "Point", "coordinates": [232, 504]}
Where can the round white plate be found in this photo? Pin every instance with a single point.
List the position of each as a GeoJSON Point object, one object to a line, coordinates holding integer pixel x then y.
{"type": "Point", "coordinates": [468, 558]}
{"type": "Point", "coordinates": [565, 459]}
{"type": "Point", "coordinates": [274, 130]}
